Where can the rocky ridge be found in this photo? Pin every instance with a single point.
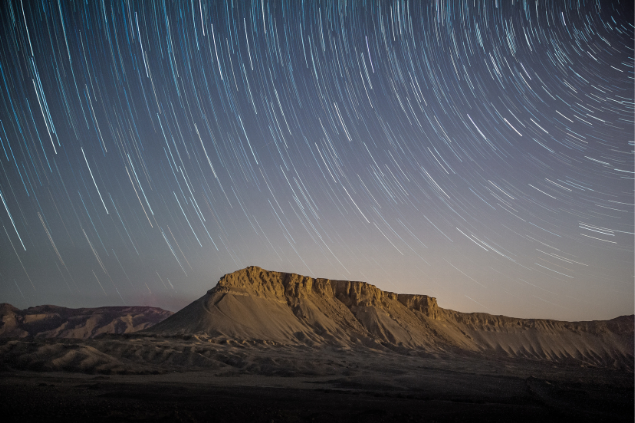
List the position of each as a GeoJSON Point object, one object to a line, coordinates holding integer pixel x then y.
{"type": "Point", "coordinates": [288, 287]}
{"type": "Point", "coordinates": [256, 305]}
{"type": "Point", "coordinates": [49, 321]}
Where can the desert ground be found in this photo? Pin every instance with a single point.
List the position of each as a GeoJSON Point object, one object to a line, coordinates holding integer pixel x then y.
{"type": "Point", "coordinates": [282, 384]}
{"type": "Point", "coordinates": [267, 346]}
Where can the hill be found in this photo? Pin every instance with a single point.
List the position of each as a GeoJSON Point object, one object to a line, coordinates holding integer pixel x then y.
{"type": "Point", "coordinates": [260, 306]}
{"type": "Point", "coordinates": [49, 321]}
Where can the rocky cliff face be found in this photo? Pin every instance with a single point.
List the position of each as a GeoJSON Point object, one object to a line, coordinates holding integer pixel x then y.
{"type": "Point", "coordinates": [256, 305]}
{"type": "Point", "coordinates": [289, 286]}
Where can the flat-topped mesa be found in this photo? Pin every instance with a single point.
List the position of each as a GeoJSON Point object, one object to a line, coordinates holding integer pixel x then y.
{"type": "Point", "coordinates": [287, 286]}
{"type": "Point", "coordinates": [256, 305]}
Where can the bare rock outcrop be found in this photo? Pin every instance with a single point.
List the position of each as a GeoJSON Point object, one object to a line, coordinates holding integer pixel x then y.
{"type": "Point", "coordinates": [256, 305]}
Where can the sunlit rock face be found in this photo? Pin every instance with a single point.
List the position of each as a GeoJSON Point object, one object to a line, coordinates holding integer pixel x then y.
{"type": "Point", "coordinates": [257, 305]}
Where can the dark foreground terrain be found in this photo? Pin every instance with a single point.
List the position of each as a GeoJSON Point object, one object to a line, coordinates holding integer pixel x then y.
{"type": "Point", "coordinates": [31, 397]}
{"type": "Point", "coordinates": [281, 384]}
{"type": "Point", "coordinates": [56, 397]}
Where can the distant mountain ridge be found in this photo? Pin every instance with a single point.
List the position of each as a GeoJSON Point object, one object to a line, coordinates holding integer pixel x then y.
{"type": "Point", "coordinates": [257, 305]}
{"type": "Point", "coordinates": [49, 321]}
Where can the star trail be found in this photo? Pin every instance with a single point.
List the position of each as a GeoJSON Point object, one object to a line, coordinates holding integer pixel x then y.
{"type": "Point", "coordinates": [476, 151]}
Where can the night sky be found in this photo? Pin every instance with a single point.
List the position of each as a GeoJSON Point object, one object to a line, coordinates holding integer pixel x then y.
{"type": "Point", "coordinates": [478, 152]}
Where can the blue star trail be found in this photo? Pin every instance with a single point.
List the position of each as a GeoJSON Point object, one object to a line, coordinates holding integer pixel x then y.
{"type": "Point", "coordinates": [477, 151]}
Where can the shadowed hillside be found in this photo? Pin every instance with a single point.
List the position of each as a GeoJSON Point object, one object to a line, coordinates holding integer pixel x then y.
{"type": "Point", "coordinates": [48, 321]}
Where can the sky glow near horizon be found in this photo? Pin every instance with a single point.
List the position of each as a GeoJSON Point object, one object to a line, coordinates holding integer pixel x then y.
{"type": "Point", "coordinates": [478, 152]}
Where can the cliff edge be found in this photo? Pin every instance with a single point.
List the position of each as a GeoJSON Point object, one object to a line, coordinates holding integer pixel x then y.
{"type": "Point", "coordinates": [260, 306]}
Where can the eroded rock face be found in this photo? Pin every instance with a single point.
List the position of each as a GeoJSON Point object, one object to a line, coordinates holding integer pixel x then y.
{"type": "Point", "coordinates": [286, 286]}
{"type": "Point", "coordinates": [256, 305]}
{"type": "Point", "coordinates": [423, 303]}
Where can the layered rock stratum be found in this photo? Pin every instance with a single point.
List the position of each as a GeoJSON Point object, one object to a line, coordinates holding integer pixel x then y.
{"type": "Point", "coordinates": [49, 321]}
{"type": "Point", "coordinates": [254, 305]}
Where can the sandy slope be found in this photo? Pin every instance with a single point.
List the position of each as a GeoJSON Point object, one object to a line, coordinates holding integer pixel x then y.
{"type": "Point", "coordinates": [254, 304]}
{"type": "Point", "coordinates": [49, 321]}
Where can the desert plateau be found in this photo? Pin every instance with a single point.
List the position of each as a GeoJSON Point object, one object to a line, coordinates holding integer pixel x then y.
{"type": "Point", "coordinates": [271, 346]}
